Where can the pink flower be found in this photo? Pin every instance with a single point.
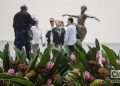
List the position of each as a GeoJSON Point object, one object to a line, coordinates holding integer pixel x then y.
{"type": "Point", "coordinates": [98, 55]}
{"type": "Point", "coordinates": [73, 58]}
{"type": "Point", "coordinates": [50, 65]}
{"type": "Point", "coordinates": [11, 72]}
{"type": "Point", "coordinates": [103, 61]}
{"type": "Point", "coordinates": [86, 76]}
{"type": "Point", "coordinates": [49, 82]}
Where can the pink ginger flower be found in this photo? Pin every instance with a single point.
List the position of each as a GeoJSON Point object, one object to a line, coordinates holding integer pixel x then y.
{"type": "Point", "coordinates": [86, 76]}
{"type": "Point", "coordinates": [49, 82]}
{"type": "Point", "coordinates": [73, 58]}
{"type": "Point", "coordinates": [103, 61]}
{"type": "Point", "coordinates": [11, 72]}
{"type": "Point", "coordinates": [98, 55]}
{"type": "Point", "coordinates": [50, 65]}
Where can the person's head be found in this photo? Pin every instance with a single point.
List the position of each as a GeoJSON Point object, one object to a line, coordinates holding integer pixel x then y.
{"type": "Point", "coordinates": [70, 21]}
{"type": "Point", "coordinates": [57, 23]}
{"type": "Point", "coordinates": [62, 23]}
{"type": "Point", "coordinates": [24, 8]}
{"type": "Point", "coordinates": [36, 22]}
{"type": "Point", "coordinates": [51, 20]}
{"type": "Point", "coordinates": [83, 8]}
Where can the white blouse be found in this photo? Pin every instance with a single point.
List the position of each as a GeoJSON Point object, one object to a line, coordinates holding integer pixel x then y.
{"type": "Point", "coordinates": [37, 35]}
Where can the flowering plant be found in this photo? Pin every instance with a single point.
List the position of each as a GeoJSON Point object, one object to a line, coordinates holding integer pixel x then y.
{"type": "Point", "coordinates": [81, 68]}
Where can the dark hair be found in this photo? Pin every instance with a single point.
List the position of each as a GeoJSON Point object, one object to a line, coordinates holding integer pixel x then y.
{"type": "Point", "coordinates": [62, 22]}
{"type": "Point", "coordinates": [51, 19]}
{"type": "Point", "coordinates": [70, 19]}
{"type": "Point", "coordinates": [24, 7]}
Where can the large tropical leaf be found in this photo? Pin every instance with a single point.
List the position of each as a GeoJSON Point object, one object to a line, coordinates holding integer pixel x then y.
{"type": "Point", "coordinates": [46, 56]}
{"type": "Point", "coordinates": [110, 55]}
{"type": "Point", "coordinates": [20, 55]}
{"type": "Point", "coordinates": [16, 79]}
{"type": "Point", "coordinates": [55, 52]}
{"type": "Point", "coordinates": [91, 54]}
{"type": "Point", "coordinates": [61, 62]}
{"type": "Point", "coordinates": [66, 50]}
{"type": "Point", "coordinates": [1, 55]}
{"type": "Point", "coordinates": [33, 62]}
{"type": "Point", "coordinates": [6, 56]}
{"type": "Point", "coordinates": [97, 44]}
{"type": "Point", "coordinates": [78, 47]}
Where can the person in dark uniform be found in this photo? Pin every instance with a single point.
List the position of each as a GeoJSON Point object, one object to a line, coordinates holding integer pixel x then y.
{"type": "Point", "coordinates": [58, 34]}
{"type": "Point", "coordinates": [22, 22]}
{"type": "Point", "coordinates": [49, 30]}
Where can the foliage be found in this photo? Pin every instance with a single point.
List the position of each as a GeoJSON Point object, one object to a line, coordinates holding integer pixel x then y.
{"type": "Point", "coordinates": [59, 67]}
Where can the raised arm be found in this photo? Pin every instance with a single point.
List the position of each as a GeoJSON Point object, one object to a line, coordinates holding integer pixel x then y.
{"type": "Point", "coordinates": [70, 15]}
{"type": "Point", "coordinates": [94, 18]}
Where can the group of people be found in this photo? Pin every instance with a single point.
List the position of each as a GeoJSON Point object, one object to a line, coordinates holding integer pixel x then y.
{"type": "Point", "coordinates": [59, 34]}
{"type": "Point", "coordinates": [28, 34]}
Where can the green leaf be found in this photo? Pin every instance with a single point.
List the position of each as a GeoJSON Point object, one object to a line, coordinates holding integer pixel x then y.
{"type": "Point", "coordinates": [55, 52]}
{"type": "Point", "coordinates": [78, 47]}
{"type": "Point", "coordinates": [20, 55]}
{"type": "Point", "coordinates": [83, 60]}
{"type": "Point", "coordinates": [66, 50]}
{"type": "Point", "coordinates": [110, 55]}
{"type": "Point", "coordinates": [33, 62]}
{"type": "Point", "coordinates": [91, 55]}
{"type": "Point", "coordinates": [6, 56]}
{"type": "Point", "coordinates": [1, 55]}
{"type": "Point", "coordinates": [96, 82]}
{"type": "Point", "coordinates": [97, 44]}
{"type": "Point", "coordinates": [16, 79]}
{"type": "Point", "coordinates": [46, 56]}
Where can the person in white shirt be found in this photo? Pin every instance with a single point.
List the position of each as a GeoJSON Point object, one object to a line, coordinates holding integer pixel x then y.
{"type": "Point", "coordinates": [49, 31]}
{"type": "Point", "coordinates": [37, 37]}
{"type": "Point", "coordinates": [70, 35]}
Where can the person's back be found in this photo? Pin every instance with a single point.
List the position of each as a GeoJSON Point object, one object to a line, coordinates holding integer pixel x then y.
{"type": "Point", "coordinates": [71, 29]}
{"type": "Point", "coordinates": [70, 35]}
{"type": "Point", "coordinates": [21, 24]}
{"type": "Point", "coordinates": [22, 20]}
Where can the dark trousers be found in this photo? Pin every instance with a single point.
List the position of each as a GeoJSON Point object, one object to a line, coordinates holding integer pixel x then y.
{"type": "Point", "coordinates": [21, 39]}
{"type": "Point", "coordinates": [71, 47]}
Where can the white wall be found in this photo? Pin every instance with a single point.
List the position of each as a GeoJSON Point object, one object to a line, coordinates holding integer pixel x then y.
{"type": "Point", "coordinates": [106, 10]}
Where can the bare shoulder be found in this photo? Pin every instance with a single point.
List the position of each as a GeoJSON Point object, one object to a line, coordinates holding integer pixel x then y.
{"type": "Point", "coordinates": [85, 15]}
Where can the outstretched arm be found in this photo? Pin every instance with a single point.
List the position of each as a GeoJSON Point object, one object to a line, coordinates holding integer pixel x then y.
{"type": "Point", "coordinates": [94, 18]}
{"type": "Point", "coordinates": [70, 15]}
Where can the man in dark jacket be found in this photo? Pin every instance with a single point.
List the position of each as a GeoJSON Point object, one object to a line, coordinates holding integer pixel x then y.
{"type": "Point", "coordinates": [21, 23]}
{"type": "Point", "coordinates": [58, 34]}
{"type": "Point", "coordinates": [49, 29]}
